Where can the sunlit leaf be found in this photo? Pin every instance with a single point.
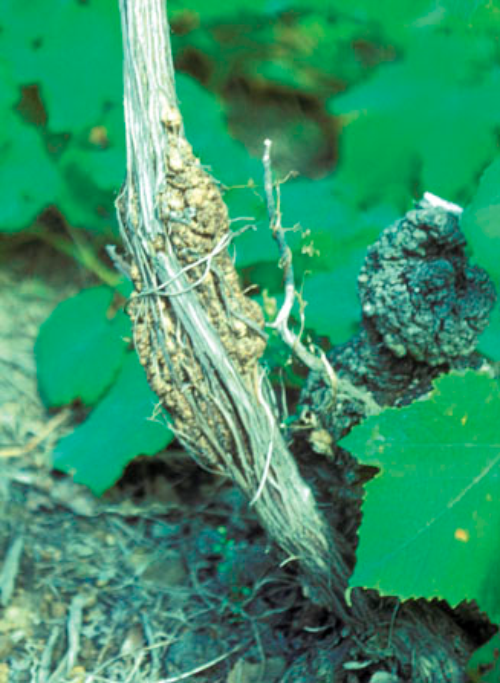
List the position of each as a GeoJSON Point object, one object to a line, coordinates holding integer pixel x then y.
{"type": "Point", "coordinates": [431, 515]}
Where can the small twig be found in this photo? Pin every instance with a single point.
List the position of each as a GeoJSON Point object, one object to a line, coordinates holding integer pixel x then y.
{"type": "Point", "coordinates": [95, 675]}
{"type": "Point", "coordinates": [17, 451]}
{"type": "Point", "coordinates": [281, 323]}
{"type": "Point", "coordinates": [10, 570]}
{"type": "Point", "coordinates": [153, 649]}
{"type": "Point", "coordinates": [135, 667]}
{"type": "Point", "coordinates": [46, 658]}
{"type": "Point", "coordinates": [74, 628]}
{"type": "Point", "coordinates": [202, 667]}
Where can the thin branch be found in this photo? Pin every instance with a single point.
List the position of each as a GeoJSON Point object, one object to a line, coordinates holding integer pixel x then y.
{"type": "Point", "coordinates": [10, 570]}
{"type": "Point", "coordinates": [202, 667]}
{"type": "Point", "coordinates": [313, 358]}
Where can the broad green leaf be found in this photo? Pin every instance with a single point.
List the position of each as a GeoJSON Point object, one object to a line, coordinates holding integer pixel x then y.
{"type": "Point", "coordinates": [332, 306]}
{"type": "Point", "coordinates": [80, 63]}
{"type": "Point", "coordinates": [105, 166]}
{"type": "Point", "coordinates": [312, 51]}
{"type": "Point", "coordinates": [318, 222]}
{"type": "Point", "coordinates": [330, 228]}
{"type": "Point", "coordinates": [329, 239]}
{"type": "Point", "coordinates": [481, 226]}
{"type": "Point", "coordinates": [90, 182]}
{"type": "Point", "coordinates": [72, 49]}
{"type": "Point", "coordinates": [338, 237]}
{"type": "Point", "coordinates": [462, 9]}
{"type": "Point", "coordinates": [427, 121]}
{"type": "Point", "coordinates": [481, 221]}
{"type": "Point", "coordinates": [489, 341]}
{"type": "Point", "coordinates": [8, 92]}
{"type": "Point", "coordinates": [216, 9]}
{"type": "Point", "coordinates": [431, 515]}
{"type": "Point", "coordinates": [486, 17]}
{"type": "Point", "coordinates": [80, 348]}
{"type": "Point", "coordinates": [254, 242]}
{"type": "Point", "coordinates": [29, 181]}
{"type": "Point", "coordinates": [397, 20]}
{"type": "Point", "coordinates": [21, 33]}
{"type": "Point", "coordinates": [120, 428]}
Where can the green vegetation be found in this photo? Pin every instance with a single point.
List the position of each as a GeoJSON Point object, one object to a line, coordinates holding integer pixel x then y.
{"type": "Point", "coordinates": [442, 448]}
{"type": "Point", "coordinates": [373, 104]}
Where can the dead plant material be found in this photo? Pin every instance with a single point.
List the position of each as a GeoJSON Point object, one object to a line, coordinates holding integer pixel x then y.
{"type": "Point", "coordinates": [50, 427]}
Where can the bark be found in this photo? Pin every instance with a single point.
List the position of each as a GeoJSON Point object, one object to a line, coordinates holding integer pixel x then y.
{"type": "Point", "coordinates": [198, 336]}
{"type": "Point", "coordinates": [200, 339]}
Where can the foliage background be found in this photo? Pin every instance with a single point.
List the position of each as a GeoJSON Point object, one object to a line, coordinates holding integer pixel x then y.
{"type": "Point", "coordinates": [369, 104]}
{"type": "Point", "coordinates": [378, 102]}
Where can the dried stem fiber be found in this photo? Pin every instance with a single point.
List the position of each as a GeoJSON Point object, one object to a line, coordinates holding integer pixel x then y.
{"type": "Point", "coordinates": [197, 334]}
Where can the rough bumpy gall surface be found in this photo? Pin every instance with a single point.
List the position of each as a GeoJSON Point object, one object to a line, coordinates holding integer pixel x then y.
{"type": "Point", "coordinates": [424, 307]}
{"type": "Point", "coordinates": [196, 227]}
{"type": "Point", "coordinates": [419, 292]}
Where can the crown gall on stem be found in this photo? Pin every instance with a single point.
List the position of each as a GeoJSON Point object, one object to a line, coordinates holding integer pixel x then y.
{"type": "Point", "coordinates": [195, 232]}
{"type": "Point", "coordinates": [424, 306]}
{"type": "Point", "coordinates": [419, 292]}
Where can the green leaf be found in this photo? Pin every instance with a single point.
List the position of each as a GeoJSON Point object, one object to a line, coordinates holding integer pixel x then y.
{"type": "Point", "coordinates": [80, 348]}
{"type": "Point", "coordinates": [80, 63]}
{"type": "Point", "coordinates": [481, 226]}
{"type": "Point", "coordinates": [328, 237]}
{"type": "Point", "coordinates": [21, 32]}
{"type": "Point", "coordinates": [28, 179]}
{"type": "Point", "coordinates": [328, 222]}
{"type": "Point", "coordinates": [427, 121]}
{"type": "Point", "coordinates": [72, 49]}
{"type": "Point", "coordinates": [481, 221]}
{"type": "Point", "coordinates": [489, 341]}
{"type": "Point", "coordinates": [254, 244]}
{"type": "Point", "coordinates": [90, 181]}
{"type": "Point", "coordinates": [215, 9]}
{"type": "Point", "coordinates": [396, 19]}
{"type": "Point", "coordinates": [318, 222]}
{"type": "Point", "coordinates": [312, 51]}
{"type": "Point", "coordinates": [9, 92]}
{"type": "Point", "coordinates": [333, 308]}
{"type": "Point", "coordinates": [119, 429]}
{"type": "Point", "coordinates": [431, 516]}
